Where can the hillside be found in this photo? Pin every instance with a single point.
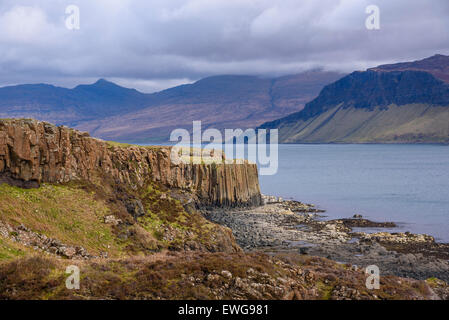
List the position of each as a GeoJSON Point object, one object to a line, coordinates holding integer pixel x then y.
{"type": "Point", "coordinates": [65, 193]}
{"type": "Point", "coordinates": [129, 219]}
{"type": "Point", "coordinates": [388, 104]}
{"type": "Point", "coordinates": [109, 111]}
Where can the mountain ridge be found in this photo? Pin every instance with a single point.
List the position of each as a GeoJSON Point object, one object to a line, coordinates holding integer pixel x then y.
{"type": "Point", "coordinates": [437, 65]}
{"type": "Point", "coordinates": [378, 93]}
{"type": "Point", "coordinates": [112, 112]}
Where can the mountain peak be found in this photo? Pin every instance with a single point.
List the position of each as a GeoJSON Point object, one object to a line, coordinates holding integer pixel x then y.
{"type": "Point", "coordinates": [103, 85]}
{"type": "Point", "coordinates": [104, 82]}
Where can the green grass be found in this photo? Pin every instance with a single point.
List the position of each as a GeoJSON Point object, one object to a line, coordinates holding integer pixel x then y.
{"type": "Point", "coordinates": [10, 250]}
{"type": "Point", "coordinates": [169, 213]}
{"type": "Point", "coordinates": [67, 213]}
{"type": "Point", "coordinates": [119, 144]}
{"type": "Point", "coordinates": [74, 214]}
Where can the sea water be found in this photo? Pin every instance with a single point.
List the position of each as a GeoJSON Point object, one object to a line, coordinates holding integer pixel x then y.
{"type": "Point", "coordinates": [406, 184]}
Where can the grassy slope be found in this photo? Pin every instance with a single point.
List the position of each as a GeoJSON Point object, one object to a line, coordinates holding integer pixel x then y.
{"type": "Point", "coordinates": [147, 258]}
{"type": "Point", "coordinates": [395, 124]}
{"type": "Point", "coordinates": [74, 214]}
{"type": "Point", "coordinates": [10, 250]}
{"type": "Point", "coordinates": [67, 213]}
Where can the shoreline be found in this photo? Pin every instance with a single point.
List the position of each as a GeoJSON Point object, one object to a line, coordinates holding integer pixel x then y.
{"type": "Point", "coordinates": [291, 226]}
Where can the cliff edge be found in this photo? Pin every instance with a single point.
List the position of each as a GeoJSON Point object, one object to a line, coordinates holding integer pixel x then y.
{"type": "Point", "coordinates": [32, 152]}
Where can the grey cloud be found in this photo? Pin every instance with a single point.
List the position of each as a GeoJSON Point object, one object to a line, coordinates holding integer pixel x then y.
{"type": "Point", "coordinates": [158, 43]}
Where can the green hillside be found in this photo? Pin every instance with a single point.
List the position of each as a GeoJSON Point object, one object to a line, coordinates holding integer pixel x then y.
{"type": "Point", "coordinates": [414, 123]}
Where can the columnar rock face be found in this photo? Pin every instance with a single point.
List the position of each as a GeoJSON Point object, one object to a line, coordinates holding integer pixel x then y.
{"type": "Point", "coordinates": [32, 152]}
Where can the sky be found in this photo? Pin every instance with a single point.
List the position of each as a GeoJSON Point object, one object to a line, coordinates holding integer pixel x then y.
{"type": "Point", "coordinates": [155, 44]}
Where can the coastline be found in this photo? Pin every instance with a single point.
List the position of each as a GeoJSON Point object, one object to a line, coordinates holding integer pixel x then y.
{"type": "Point", "coordinates": [281, 226]}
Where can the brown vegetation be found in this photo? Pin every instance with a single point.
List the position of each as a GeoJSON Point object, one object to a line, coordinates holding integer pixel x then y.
{"type": "Point", "coordinates": [203, 276]}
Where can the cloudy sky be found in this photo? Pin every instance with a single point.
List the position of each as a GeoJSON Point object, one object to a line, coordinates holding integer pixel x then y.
{"type": "Point", "coordinates": [155, 44]}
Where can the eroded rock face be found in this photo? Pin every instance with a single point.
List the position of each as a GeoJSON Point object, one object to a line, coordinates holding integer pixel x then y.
{"type": "Point", "coordinates": [32, 152]}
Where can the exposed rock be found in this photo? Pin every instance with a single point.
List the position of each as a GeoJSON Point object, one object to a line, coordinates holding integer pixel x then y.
{"type": "Point", "coordinates": [359, 222]}
{"type": "Point", "coordinates": [135, 208]}
{"type": "Point", "coordinates": [213, 278]}
{"type": "Point", "coordinates": [194, 276]}
{"type": "Point", "coordinates": [268, 228]}
{"type": "Point", "coordinates": [68, 252]}
{"type": "Point", "coordinates": [397, 237]}
{"type": "Point", "coordinates": [437, 65]}
{"type": "Point", "coordinates": [112, 220]}
{"type": "Point", "coordinates": [226, 274]}
{"type": "Point", "coordinates": [29, 238]}
{"type": "Point", "coordinates": [32, 152]}
{"type": "Point", "coordinates": [266, 199]}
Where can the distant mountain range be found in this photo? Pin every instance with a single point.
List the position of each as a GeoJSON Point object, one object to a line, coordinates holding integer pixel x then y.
{"type": "Point", "coordinates": [112, 112]}
{"type": "Point", "coordinates": [396, 103]}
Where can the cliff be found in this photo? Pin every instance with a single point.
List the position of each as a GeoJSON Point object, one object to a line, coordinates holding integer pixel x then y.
{"type": "Point", "coordinates": [409, 106]}
{"type": "Point", "coordinates": [32, 152]}
{"type": "Point", "coordinates": [437, 65]}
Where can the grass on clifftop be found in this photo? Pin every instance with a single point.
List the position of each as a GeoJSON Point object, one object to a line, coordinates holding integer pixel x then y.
{"type": "Point", "coordinates": [127, 145]}
{"type": "Point", "coordinates": [119, 144]}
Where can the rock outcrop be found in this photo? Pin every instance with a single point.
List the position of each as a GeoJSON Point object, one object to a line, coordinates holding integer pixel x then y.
{"type": "Point", "coordinates": [437, 65]}
{"type": "Point", "coordinates": [32, 152]}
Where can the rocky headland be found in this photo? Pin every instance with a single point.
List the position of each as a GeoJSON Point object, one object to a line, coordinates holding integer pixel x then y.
{"type": "Point", "coordinates": [67, 194]}
{"type": "Point", "coordinates": [142, 226]}
{"type": "Point", "coordinates": [34, 152]}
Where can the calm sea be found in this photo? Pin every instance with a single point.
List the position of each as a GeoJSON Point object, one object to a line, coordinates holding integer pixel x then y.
{"type": "Point", "coordinates": [407, 184]}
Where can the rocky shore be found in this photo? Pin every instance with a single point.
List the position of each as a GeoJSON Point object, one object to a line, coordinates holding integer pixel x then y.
{"type": "Point", "coordinates": [291, 226]}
